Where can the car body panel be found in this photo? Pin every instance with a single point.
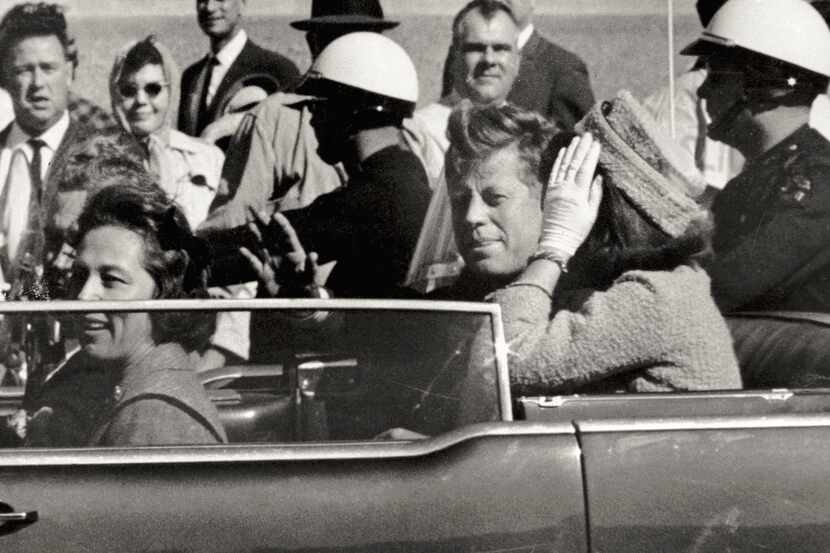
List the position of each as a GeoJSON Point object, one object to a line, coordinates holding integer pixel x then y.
{"type": "Point", "coordinates": [734, 484]}
{"type": "Point", "coordinates": [467, 490]}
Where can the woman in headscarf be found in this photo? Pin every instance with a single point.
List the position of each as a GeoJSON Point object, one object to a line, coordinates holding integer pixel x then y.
{"type": "Point", "coordinates": [144, 89]}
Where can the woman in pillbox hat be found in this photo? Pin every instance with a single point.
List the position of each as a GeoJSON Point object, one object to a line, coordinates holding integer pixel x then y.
{"type": "Point", "coordinates": [614, 298]}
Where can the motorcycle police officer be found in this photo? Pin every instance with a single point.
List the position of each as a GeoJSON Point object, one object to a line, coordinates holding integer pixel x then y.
{"type": "Point", "coordinates": [768, 68]}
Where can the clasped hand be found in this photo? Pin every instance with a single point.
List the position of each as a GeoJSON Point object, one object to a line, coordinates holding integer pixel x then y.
{"type": "Point", "coordinates": [573, 196]}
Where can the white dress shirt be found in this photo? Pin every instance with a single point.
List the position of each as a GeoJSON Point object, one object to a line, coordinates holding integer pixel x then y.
{"type": "Point", "coordinates": [15, 212]}
{"type": "Point", "coordinates": [225, 58]}
{"type": "Point", "coordinates": [6, 109]}
{"type": "Point", "coordinates": [18, 140]}
{"type": "Point", "coordinates": [524, 35]}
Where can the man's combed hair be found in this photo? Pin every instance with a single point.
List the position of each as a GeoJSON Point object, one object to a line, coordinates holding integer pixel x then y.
{"type": "Point", "coordinates": [33, 19]}
{"type": "Point", "coordinates": [487, 8]}
{"type": "Point", "coordinates": [478, 131]}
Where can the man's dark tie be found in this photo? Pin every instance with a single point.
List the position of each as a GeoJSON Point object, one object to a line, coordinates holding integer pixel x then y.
{"type": "Point", "coordinates": [35, 169]}
{"type": "Point", "coordinates": [30, 250]}
{"type": "Point", "coordinates": [206, 76]}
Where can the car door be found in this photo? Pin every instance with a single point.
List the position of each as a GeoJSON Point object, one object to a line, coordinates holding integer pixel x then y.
{"type": "Point", "coordinates": [492, 485]}
{"type": "Point", "coordinates": [720, 471]}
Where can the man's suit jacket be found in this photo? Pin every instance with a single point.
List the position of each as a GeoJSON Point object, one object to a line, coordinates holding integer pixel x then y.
{"type": "Point", "coordinates": [254, 66]}
{"type": "Point", "coordinates": [54, 228]}
{"type": "Point", "coordinates": [551, 81]}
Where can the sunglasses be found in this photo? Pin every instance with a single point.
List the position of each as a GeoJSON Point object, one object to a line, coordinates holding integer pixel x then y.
{"type": "Point", "coordinates": [129, 90]}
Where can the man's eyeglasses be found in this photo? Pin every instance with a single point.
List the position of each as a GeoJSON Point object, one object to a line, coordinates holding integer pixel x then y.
{"type": "Point", "coordinates": [129, 90]}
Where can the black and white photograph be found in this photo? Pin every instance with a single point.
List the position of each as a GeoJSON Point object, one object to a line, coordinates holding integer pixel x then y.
{"type": "Point", "coordinates": [414, 276]}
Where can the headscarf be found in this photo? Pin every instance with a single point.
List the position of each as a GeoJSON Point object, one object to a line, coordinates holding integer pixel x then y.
{"type": "Point", "coordinates": [157, 142]}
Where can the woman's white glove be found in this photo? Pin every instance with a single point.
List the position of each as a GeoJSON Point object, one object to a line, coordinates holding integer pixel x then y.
{"type": "Point", "coordinates": [573, 197]}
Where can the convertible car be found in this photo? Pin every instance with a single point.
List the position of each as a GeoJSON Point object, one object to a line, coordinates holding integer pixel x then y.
{"type": "Point", "coordinates": [393, 429]}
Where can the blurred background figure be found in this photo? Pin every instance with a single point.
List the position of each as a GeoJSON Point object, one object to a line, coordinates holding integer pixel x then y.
{"type": "Point", "coordinates": [551, 80]}
{"type": "Point", "coordinates": [37, 70]}
{"type": "Point", "coordinates": [233, 63]}
{"type": "Point", "coordinates": [768, 67]}
{"type": "Point", "coordinates": [717, 161]}
{"type": "Point", "coordinates": [144, 91]}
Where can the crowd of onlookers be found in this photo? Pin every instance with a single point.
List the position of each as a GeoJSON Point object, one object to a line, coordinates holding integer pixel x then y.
{"type": "Point", "coordinates": [615, 236]}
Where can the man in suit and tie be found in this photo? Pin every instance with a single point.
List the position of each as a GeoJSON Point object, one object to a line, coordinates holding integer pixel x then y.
{"type": "Point", "coordinates": [551, 80]}
{"type": "Point", "coordinates": [233, 63]}
{"type": "Point", "coordinates": [36, 69]}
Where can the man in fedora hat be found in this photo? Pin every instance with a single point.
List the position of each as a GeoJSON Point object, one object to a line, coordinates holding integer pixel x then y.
{"type": "Point", "coordinates": [272, 163]}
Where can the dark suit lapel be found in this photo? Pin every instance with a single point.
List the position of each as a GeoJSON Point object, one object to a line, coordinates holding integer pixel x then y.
{"type": "Point", "coordinates": [195, 98]}
{"type": "Point", "coordinates": [238, 69]}
{"type": "Point", "coordinates": [532, 49]}
{"type": "Point", "coordinates": [75, 134]}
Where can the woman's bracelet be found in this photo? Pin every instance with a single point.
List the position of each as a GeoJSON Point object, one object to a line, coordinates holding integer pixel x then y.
{"type": "Point", "coordinates": [519, 283]}
{"type": "Point", "coordinates": [554, 256]}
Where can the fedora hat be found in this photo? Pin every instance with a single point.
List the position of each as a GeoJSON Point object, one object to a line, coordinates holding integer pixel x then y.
{"type": "Point", "coordinates": [362, 14]}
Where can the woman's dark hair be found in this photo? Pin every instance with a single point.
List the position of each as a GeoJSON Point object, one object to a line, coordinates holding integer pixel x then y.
{"type": "Point", "coordinates": [624, 239]}
{"type": "Point", "coordinates": [141, 54]}
{"type": "Point", "coordinates": [173, 256]}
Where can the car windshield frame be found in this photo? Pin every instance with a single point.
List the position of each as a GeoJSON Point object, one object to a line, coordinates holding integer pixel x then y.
{"type": "Point", "coordinates": [491, 310]}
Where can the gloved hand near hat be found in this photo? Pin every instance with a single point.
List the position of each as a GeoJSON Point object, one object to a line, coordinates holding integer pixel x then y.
{"type": "Point", "coordinates": [573, 197]}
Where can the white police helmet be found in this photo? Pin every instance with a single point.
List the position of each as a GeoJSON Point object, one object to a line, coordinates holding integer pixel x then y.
{"type": "Point", "coordinates": [366, 68]}
{"type": "Point", "coordinates": [790, 31]}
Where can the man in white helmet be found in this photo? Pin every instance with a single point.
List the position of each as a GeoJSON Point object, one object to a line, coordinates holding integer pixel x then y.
{"type": "Point", "coordinates": [768, 65]}
{"type": "Point", "coordinates": [362, 86]}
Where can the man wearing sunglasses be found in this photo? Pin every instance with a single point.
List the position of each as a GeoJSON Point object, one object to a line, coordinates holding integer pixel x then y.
{"type": "Point", "coordinates": [36, 69]}
{"type": "Point", "coordinates": [768, 66]}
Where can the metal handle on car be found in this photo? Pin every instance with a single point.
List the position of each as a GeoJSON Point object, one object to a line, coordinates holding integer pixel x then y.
{"type": "Point", "coordinates": [26, 516]}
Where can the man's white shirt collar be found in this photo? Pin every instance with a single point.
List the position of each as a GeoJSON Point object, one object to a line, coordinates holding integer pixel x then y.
{"type": "Point", "coordinates": [225, 58]}
{"type": "Point", "coordinates": [52, 136]}
{"type": "Point", "coordinates": [524, 35]}
{"type": "Point", "coordinates": [228, 54]}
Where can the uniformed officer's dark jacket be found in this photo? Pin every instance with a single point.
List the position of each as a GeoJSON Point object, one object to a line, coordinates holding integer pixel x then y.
{"type": "Point", "coordinates": [371, 226]}
{"type": "Point", "coordinates": [772, 230]}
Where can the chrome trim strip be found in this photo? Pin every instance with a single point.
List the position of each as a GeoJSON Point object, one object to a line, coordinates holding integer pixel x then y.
{"type": "Point", "coordinates": [248, 304]}
{"type": "Point", "coordinates": [768, 394]}
{"type": "Point", "coordinates": [502, 369]}
{"type": "Point", "coordinates": [807, 420]}
{"type": "Point", "coordinates": [280, 452]}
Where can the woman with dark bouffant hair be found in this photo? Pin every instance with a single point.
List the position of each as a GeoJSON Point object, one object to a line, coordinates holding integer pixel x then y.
{"type": "Point", "coordinates": [132, 381]}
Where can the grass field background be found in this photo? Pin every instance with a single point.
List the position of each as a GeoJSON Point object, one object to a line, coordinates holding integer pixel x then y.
{"type": "Point", "coordinates": [620, 51]}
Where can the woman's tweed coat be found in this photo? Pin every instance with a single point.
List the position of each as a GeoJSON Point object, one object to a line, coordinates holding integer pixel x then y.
{"type": "Point", "coordinates": [650, 331]}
